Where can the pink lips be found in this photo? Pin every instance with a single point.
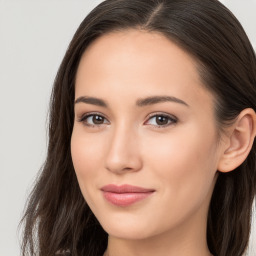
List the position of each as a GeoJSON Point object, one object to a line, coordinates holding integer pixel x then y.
{"type": "Point", "coordinates": [125, 195]}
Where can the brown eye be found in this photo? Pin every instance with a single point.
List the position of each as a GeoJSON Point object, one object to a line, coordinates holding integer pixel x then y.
{"type": "Point", "coordinates": [98, 119]}
{"type": "Point", "coordinates": [93, 120]}
{"type": "Point", "coordinates": [161, 120]}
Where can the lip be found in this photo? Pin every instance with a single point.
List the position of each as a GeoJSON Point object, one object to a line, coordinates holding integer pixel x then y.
{"type": "Point", "coordinates": [125, 195]}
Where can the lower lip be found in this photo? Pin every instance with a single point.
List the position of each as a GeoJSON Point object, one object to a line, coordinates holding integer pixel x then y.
{"type": "Point", "coordinates": [125, 199]}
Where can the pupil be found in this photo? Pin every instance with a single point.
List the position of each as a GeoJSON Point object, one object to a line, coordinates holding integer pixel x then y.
{"type": "Point", "coordinates": [161, 120]}
{"type": "Point", "coordinates": [97, 120]}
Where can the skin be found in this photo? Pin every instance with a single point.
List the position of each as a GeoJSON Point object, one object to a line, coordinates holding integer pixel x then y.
{"type": "Point", "coordinates": [178, 160]}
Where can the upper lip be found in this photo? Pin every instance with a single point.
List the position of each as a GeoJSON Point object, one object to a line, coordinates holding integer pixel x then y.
{"type": "Point", "coordinates": [125, 189]}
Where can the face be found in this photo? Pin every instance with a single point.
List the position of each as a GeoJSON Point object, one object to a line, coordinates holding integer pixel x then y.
{"type": "Point", "coordinates": [143, 118]}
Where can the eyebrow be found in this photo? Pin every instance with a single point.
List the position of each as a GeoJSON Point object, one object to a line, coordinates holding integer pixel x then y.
{"type": "Point", "coordinates": [140, 102]}
{"type": "Point", "coordinates": [91, 100]}
{"type": "Point", "coordinates": [158, 99]}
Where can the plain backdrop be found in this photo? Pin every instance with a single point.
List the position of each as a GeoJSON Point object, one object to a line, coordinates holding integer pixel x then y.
{"type": "Point", "coordinates": [33, 38]}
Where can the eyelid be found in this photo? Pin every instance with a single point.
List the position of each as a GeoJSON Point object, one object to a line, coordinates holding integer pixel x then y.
{"type": "Point", "coordinates": [84, 116]}
{"type": "Point", "coordinates": [173, 119]}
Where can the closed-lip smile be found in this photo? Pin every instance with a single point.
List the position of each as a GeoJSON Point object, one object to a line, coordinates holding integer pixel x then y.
{"type": "Point", "coordinates": [125, 195]}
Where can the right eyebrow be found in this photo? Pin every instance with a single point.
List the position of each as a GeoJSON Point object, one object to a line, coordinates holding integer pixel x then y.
{"type": "Point", "coordinates": [92, 100]}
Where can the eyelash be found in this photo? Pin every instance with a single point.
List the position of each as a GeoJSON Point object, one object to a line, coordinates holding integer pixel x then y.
{"type": "Point", "coordinates": [85, 116]}
{"type": "Point", "coordinates": [172, 120]}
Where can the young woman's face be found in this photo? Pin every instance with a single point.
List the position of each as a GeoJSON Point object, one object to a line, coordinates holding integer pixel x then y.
{"type": "Point", "coordinates": [143, 118]}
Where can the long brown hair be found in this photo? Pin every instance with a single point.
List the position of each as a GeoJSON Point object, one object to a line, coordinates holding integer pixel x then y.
{"type": "Point", "coordinates": [57, 218]}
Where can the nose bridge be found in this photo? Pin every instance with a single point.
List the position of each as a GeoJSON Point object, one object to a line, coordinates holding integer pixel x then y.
{"type": "Point", "coordinates": [123, 152]}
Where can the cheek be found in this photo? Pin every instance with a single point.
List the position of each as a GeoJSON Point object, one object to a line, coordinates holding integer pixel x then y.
{"type": "Point", "coordinates": [86, 154]}
{"type": "Point", "coordinates": [185, 163]}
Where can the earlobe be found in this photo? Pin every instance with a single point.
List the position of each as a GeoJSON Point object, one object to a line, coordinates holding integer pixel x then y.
{"type": "Point", "coordinates": [239, 143]}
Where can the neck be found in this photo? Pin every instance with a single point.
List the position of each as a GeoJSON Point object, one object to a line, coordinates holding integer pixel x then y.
{"type": "Point", "coordinates": [132, 248]}
{"type": "Point", "coordinates": [186, 240]}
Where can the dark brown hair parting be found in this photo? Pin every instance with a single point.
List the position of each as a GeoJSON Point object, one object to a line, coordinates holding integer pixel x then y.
{"type": "Point", "coordinates": [57, 219]}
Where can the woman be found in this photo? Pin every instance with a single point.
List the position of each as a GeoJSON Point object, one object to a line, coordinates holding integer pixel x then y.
{"type": "Point", "coordinates": [151, 136]}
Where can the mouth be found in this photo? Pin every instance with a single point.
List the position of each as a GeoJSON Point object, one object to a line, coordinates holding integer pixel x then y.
{"type": "Point", "coordinates": [125, 195]}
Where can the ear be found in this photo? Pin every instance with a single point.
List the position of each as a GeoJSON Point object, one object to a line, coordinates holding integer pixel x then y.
{"type": "Point", "coordinates": [239, 141]}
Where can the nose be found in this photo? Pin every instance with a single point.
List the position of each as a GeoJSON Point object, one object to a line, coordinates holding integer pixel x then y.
{"type": "Point", "coordinates": [123, 152]}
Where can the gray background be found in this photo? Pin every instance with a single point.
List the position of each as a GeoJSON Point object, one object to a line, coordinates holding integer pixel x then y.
{"type": "Point", "coordinates": [33, 38]}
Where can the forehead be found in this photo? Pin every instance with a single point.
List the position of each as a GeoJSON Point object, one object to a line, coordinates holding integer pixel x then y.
{"type": "Point", "coordinates": [133, 47]}
{"type": "Point", "coordinates": [134, 62]}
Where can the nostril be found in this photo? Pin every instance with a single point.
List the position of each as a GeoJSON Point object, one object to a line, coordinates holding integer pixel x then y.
{"type": "Point", "coordinates": [123, 154]}
{"type": "Point", "coordinates": [121, 165]}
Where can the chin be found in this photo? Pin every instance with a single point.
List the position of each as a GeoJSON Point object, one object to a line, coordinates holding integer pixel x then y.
{"type": "Point", "coordinates": [128, 229]}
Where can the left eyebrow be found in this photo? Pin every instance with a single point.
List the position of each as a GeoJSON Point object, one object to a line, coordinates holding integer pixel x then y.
{"type": "Point", "coordinates": [158, 99]}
